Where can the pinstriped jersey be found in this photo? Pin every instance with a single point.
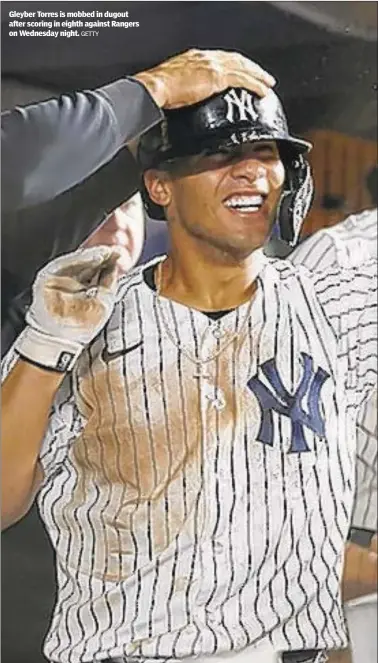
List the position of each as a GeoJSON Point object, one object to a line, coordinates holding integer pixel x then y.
{"type": "Point", "coordinates": [350, 243]}
{"type": "Point", "coordinates": [195, 508]}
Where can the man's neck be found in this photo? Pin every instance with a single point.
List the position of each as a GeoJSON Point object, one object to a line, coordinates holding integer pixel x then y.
{"type": "Point", "coordinates": [209, 286]}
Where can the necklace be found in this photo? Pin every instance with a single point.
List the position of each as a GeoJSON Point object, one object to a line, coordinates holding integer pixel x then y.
{"type": "Point", "coordinates": [198, 361]}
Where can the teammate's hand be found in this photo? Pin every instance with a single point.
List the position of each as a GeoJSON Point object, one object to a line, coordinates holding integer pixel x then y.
{"type": "Point", "coordinates": [73, 298]}
{"type": "Point", "coordinates": [123, 229]}
{"type": "Point", "coordinates": [195, 75]}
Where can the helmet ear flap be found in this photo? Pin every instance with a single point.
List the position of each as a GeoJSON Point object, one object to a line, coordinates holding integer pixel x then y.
{"type": "Point", "coordinates": [296, 200]}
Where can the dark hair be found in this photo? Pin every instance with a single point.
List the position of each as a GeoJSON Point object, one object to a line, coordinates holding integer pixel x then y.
{"type": "Point", "coordinates": [371, 182]}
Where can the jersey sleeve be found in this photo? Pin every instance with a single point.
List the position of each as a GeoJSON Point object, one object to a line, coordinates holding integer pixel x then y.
{"type": "Point", "coordinates": [358, 319]}
{"type": "Point", "coordinates": [349, 300]}
{"type": "Point", "coordinates": [365, 505]}
{"type": "Point", "coordinates": [49, 147]}
{"type": "Point", "coordinates": [348, 244]}
{"type": "Point", "coordinates": [316, 252]}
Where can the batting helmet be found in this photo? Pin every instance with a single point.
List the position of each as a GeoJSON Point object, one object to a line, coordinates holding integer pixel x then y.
{"type": "Point", "coordinates": [223, 121]}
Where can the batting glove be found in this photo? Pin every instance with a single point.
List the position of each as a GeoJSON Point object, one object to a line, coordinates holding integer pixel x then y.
{"type": "Point", "coordinates": [73, 298]}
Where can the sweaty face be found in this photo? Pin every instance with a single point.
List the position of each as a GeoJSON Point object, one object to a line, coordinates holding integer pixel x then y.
{"type": "Point", "coordinates": [227, 199]}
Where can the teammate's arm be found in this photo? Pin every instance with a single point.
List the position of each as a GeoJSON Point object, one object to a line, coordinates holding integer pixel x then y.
{"type": "Point", "coordinates": [49, 147]}
{"type": "Point", "coordinates": [27, 396]}
{"type": "Point", "coordinates": [73, 297]}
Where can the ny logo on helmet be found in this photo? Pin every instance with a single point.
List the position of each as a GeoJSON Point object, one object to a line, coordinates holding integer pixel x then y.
{"type": "Point", "coordinates": [276, 398]}
{"type": "Point", "coordinates": [240, 106]}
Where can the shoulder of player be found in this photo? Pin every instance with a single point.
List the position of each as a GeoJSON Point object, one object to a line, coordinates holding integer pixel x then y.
{"type": "Point", "coordinates": [365, 222]}
{"type": "Point", "coordinates": [334, 291]}
{"type": "Point", "coordinates": [286, 270]}
{"type": "Point", "coordinates": [340, 290]}
{"type": "Point", "coordinates": [332, 275]}
{"type": "Point", "coordinates": [123, 323]}
{"type": "Point", "coordinates": [292, 278]}
{"type": "Point", "coordinates": [133, 279]}
{"type": "Point", "coordinates": [315, 251]}
{"type": "Point", "coordinates": [349, 243]}
{"type": "Point", "coordinates": [358, 232]}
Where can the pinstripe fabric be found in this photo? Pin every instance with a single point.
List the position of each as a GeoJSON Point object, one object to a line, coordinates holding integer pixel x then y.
{"type": "Point", "coordinates": [350, 243]}
{"type": "Point", "coordinates": [180, 527]}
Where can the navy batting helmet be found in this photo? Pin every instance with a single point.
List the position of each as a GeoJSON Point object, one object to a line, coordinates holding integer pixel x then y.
{"type": "Point", "coordinates": [231, 118]}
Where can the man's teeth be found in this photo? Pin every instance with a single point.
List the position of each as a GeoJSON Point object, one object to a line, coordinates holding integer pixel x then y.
{"type": "Point", "coordinates": [246, 203]}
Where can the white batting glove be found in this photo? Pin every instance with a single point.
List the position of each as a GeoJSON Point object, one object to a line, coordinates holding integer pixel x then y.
{"type": "Point", "coordinates": [73, 298]}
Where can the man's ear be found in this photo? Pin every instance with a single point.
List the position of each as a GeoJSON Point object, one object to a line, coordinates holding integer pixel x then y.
{"type": "Point", "coordinates": [158, 187]}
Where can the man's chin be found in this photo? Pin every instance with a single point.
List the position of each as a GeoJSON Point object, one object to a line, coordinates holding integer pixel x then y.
{"type": "Point", "coordinates": [240, 252]}
{"type": "Point", "coordinates": [244, 244]}
{"type": "Point", "coordinates": [246, 239]}
{"type": "Point", "coordinates": [236, 247]}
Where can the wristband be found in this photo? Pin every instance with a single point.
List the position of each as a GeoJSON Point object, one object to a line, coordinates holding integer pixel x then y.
{"type": "Point", "coordinates": [48, 351]}
{"type": "Point", "coordinates": [360, 536]}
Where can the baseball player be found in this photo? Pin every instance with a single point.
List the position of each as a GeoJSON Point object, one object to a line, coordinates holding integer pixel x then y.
{"type": "Point", "coordinates": [195, 473]}
{"type": "Point", "coordinates": [348, 244]}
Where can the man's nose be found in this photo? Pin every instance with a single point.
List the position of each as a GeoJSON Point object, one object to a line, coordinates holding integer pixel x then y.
{"type": "Point", "coordinates": [249, 168]}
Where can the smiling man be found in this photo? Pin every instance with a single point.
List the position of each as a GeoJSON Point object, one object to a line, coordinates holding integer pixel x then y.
{"type": "Point", "coordinates": [194, 473]}
{"type": "Point", "coordinates": [229, 175]}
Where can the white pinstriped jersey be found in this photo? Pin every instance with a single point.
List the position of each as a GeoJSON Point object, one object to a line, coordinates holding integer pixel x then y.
{"type": "Point", "coordinates": [350, 243]}
{"type": "Point", "coordinates": [199, 514]}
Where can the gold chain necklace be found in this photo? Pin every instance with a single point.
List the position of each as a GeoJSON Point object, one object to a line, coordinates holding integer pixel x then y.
{"type": "Point", "coordinates": [194, 359]}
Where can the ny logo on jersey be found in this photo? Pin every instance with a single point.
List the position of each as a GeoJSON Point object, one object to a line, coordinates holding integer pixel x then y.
{"type": "Point", "coordinates": [276, 398]}
{"type": "Point", "coordinates": [240, 106]}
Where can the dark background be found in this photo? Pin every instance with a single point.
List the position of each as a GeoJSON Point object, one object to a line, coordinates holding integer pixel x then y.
{"type": "Point", "coordinates": [325, 69]}
{"type": "Point", "coordinates": [325, 64]}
